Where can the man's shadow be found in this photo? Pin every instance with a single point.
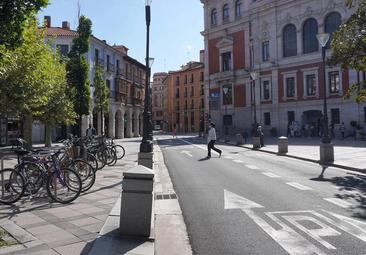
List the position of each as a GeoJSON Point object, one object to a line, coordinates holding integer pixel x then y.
{"type": "Point", "coordinates": [204, 159]}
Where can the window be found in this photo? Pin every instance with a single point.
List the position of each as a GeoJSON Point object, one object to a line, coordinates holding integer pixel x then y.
{"type": "Point", "coordinates": [177, 93]}
{"type": "Point", "coordinates": [192, 91]}
{"type": "Point", "coordinates": [289, 41]}
{"type": "Point", "coordinates": [185, 79]}
{"type": "Point", "coordinates": [290, 117]}
{"type": "Point", "coordinates": [202, 77]}
{"type": "Point", "coordinates": [96, 56]}
{"type": "Point", "coordinates": [266, 90]}
{"type": "Point", "coordinates": [334, 82]}
{"type": "Point", "coordinates": [267, 118]}
{"type": "Point", "coordinates": [227, 98]}
{"type": "Point", "coordinates": [226, 61]}
{"type": "Point", "coordinates": [192, 78]}
{"type": "Point", "coordinates": [309, 32]}
{"type": "Point", "coordinates": [178, 118]}
{"type": "Point", "coordinates": [177, 81]}
{"type": "Point", "coordinates": [265, 51]}
{"type": "Point", "coordinates": [192, 104]}
{"type": "Point", "coordinates": [225, 13]}
{"type": "Point", "coordinates": [311, 85]}
{"type": "Point", "coordinates": [202, 90]}
{"type": "Point", "coordinates": [202, 103]}
{"type": "Point", "coordinates": [108, 58]}
{"type": "Point", "coordinates": [214, 17]}
{"type": "Point", "coordinates": [290, 87]}
{"type": "Point", "coordinates": [238, 5]}
{"type": "Point", "coordinates": [335, 116]}
{"type": "Point", "coordinates": [192, 122]}
{"type": "Point", "coordinates": [185, 92]}
{"type": "Point", "coordinates": [63, 48]}
{"type": "Point", "coordinates": [185, 104]}
{"type": "Point", "coordinates": [331, 24]}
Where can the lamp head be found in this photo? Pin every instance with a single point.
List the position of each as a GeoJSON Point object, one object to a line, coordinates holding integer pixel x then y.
{"type": "Point", "coordinates": [323, 38]}
{"type": "Point", "coordinates": [225, 89]}
{"type": "Point", "coordinates": [151, 62]}
{"type": "Point", "coordinates": [148, 2]}
{"type": "Point", "coordinates": [253, 74]}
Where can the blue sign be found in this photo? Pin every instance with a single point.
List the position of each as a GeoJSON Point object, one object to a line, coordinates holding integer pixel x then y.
{"type": "Point", "coordinates": [215, 94]}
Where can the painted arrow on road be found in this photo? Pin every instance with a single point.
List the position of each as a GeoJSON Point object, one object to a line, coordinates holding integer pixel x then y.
{"type": "Point", "coordinates": [188, 153]}
{"type": "Point", "coordinates": [286, 237]}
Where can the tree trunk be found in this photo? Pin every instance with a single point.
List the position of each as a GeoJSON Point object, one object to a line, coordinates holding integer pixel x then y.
{"type": "Point", "coordinates": [48, 136]}
{"type": "Point", "coordinates": [80, 125]}
{"type": "Point", "coordinates": [27, 129]}
{"type": "Point", "coordinates": [101, 123]}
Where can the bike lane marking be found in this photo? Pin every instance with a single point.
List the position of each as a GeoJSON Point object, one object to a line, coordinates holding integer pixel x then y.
{"type": "Point", "coordinates": [298, 186]}
{"type": "Point", "coordinates": [339, 202]}
{"type": "Point", "coordinates": [271, 175]}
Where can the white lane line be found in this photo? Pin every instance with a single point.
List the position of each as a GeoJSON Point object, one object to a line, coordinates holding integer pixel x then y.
{"type": "Point", "coordinates": [271, 175]}
{"type": "Point", "coordinates": [298, 186]}
{"type": "Point", "coordinates": [238, 161]}
{"type": "Point", "coordinates": [339, 202]}
{"type": "Point", "coordinates": [252, 167]}
{"type": "Point", "coordinates": [196, 145]}
{"type": "Point", "coordinates": [228, 157]}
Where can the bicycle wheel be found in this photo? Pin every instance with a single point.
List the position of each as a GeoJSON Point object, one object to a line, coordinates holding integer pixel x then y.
{"type": "Point", "coordinates": [92, 160]}
{"type": "Point", "coordinates": [111, 156]}
{"type": "Point", "coordinates": [120, 151]}
{"type": "Point", "coordinates": [12, 186]}
{"type": "Point", "coordinates": [102, 159]}
{"type": "Point", "coordinates": [33, 177]}
{"type": "Point", "coordinates": [64, 186]}
{"type": "Point", "coordinates": [85, 171]}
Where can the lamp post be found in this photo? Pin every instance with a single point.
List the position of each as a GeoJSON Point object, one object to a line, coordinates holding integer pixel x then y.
{"type": "Point", "coordinates": [146, 145]}
{"type": "Point", "coordinates": [225, 90]}
{"type": "Point", "coordinates": [326, 148]}
{"type": "Point", "coordinates": [150, 136]}
{"type": "Point", "coordinates": [253, 77]}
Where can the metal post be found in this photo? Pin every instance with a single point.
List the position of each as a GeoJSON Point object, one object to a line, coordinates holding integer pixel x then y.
{"type": "Point", "coordinates": [326, 138]}
{"type": "Point", "coordinates": [146, 144]}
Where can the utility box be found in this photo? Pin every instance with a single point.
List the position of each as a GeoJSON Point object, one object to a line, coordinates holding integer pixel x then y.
{"type": "Point", "coordinates": [282, 145]}
{"type": "Point", "coordinates": [136, 203]}
{"type": "Point", "coordinates": [239, 139]}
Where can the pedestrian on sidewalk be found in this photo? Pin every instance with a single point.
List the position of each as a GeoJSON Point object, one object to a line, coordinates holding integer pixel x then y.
{"type": "Point", "coordinates": [332, 130]}
{"type": "Point", "coordinates": [261, 135]}
{"type": "Point", "coordinates": [91, 131]}
{"type": "Point", "coordinates": [174, 133]}
{"type": "Point", "coordinates": [211, 139]}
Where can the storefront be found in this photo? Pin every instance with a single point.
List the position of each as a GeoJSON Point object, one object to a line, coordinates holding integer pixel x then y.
{"type": "Point", "coordinates": [3, 130]}
{"type": "Point", "coordinates": [9, 129]}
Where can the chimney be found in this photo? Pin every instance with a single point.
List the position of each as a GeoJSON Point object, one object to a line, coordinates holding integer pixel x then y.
{"type": "Point", "coordinates": [47, 21]}
{"type": "Point", "coordinates": [66, 25]}
{"type": "Point", "coordinates": [202, 56]}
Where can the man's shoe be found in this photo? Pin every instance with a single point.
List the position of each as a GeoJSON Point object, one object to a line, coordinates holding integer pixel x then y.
{"type": "Point", "coordinates": [220, 154]}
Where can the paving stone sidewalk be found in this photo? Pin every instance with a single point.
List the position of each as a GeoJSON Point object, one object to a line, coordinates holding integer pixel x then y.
{"type": "Point", "coordinates": [48, 228]}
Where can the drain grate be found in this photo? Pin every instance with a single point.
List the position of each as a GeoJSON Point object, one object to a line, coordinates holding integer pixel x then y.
{"type": "Point", "coordinates": [165, 196]}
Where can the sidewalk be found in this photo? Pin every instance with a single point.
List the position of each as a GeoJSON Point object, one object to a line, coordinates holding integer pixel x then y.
{"type": "Point", "coordinates": [88, 225]}
{"type": "Point", "coordinates": [349, 154]}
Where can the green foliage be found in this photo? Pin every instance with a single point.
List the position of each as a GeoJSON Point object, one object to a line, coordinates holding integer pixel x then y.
{"type": "Point", "coordinates": [78, 69]}
{"type": "Point", "coordinates": [101, 92]}
{"type": "Point", "coordinates": [349, 48]}
{"type": "Point", "coordinates": [14, 15]}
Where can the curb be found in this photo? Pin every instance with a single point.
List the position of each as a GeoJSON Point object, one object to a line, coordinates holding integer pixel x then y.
{"type": "Point", "coordinates": [350, 168]}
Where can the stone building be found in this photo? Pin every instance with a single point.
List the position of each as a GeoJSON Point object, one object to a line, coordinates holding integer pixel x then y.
{"type": "Point", "coordinates": [276, 42]}
{"type": "Point", "coordinates": [124, 76]}
{"type": "Point", "coordinates": [186, 97]}
{"type": "Point", "coordinates": [159, 100]}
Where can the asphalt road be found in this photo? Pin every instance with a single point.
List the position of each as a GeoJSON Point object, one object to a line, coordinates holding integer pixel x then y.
{"type": "Point", "coordinates": [250, 202]}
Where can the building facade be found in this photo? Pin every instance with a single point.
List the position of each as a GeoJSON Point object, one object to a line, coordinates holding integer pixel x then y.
{"type": "Point", "coordinates": [276, 42]}
{"type": "Point", "coordinates": [186, 98]}
{"type": "Point", "coordinates": [159, 101]}
{"type": "Point", "coordinates": [124, 76]}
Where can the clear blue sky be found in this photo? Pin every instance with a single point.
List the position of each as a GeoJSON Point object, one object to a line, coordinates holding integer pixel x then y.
{"type": "Point", "coordinates": [175, 35]}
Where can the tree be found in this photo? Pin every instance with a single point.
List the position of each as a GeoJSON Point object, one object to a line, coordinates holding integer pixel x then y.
{"type": "Point", "coordinates": [14, 15]}
{"type": "Point", "coordinates": [78, 70]}
{"type": "Point", "coordinates": [349, 49]}
{"type": "Point", "coordinates": [30, 78]}
{"type": "Point", "coordinates": [101, 94]}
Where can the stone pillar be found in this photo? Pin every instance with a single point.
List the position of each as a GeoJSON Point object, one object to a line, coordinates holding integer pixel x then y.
{"type": "Point", "coordinates": [111, 124]}
{"type": "Point", "coordinates": [142, 125]}
{"type": "Point", "coordinates": [136, 202]}
{"type": "Point", "coordinates": [282, 145]}
{"type": "Point", "coordinates": [326, 153]}
{"type": "Point", "coordinates": [129, 124]}
{"type": "Point", "coordinates": [100, 124]}
{"type": "Point", "coordinates": [84, 125]}
{"type": "Point", "coordinates": [136, 132]}
{"type": "Point", "coordinates": [121, 127]}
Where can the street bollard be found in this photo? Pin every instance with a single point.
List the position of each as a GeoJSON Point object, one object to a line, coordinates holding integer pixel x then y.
{"type": "Point", "coordinates": [282, 145]}
{"type": "Point", "coordinates": [239, 139]}
{"type": "Point", "coordinates": [256, 142]}
{"type": "Point", "coordinates": [136, 202]}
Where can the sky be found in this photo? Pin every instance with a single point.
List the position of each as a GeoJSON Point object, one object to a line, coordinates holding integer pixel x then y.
{"type": "Point", "coordinates": [175, 30]}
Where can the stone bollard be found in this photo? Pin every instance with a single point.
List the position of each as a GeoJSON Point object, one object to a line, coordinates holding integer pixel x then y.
{"type": "Point", "coordinates": [136, 202]}
{"type": "Point", "coordinates": [256, 142]}
{"type": "Point", "coordinates": [239, 139]}
{"type": "Point", "coordinates": [282, 145]}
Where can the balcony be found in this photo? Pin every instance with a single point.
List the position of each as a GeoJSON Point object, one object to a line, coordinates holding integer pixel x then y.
{"type": "Point", "coordinates": [99, 62]}
{"type": "Point", "coordinates": [110, 68]}
{"type": "Point", "coordinates": [120, 72]}
{"type": "Point", "coordinates": [121, 98]}
{"type": "Point", "coordinates": [128, 76]}
{"type": "Point", "coordinates": [137, 101]}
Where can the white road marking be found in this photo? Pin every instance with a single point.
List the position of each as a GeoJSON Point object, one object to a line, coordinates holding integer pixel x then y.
{"type": "Point", "coordinates": [271, 175]}
{"type": "Point", "coordinates": [286, 237]}
{"type": "Point", "coordinates": [188, 153]}
{"type": "Point", "coordinates": [298, 186]}
{"type": "Point", "coordinates": [339, 202]}
{"type": "Point", "coordinates": [228, 157]}
{"type": "Point", "coordinates": [196, 145]}
{"type": "Point", "coordinates": [252, 167]}
{"type": "Point", "coordinates": [238, 161]}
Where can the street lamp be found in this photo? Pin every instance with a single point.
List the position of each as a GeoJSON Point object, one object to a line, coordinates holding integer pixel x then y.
{"type": "Point", "coordinates": [149, 92]}
{"type": "Point", "coordinates": [323, 40]}
{"type": "Point", "coordinates": [146, 145]}
{"type": "Point", "coordinates": [226, 90]}
{"type": "Point", "coordinates": [253, 76]}
{"type": "Point", "coordinates": [326, 147]}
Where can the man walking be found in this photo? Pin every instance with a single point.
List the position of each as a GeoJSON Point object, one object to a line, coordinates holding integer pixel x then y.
{"type": "Point", "coordinates": [211, 141]}
{"type": "Point", "coordinates": [91, 131]}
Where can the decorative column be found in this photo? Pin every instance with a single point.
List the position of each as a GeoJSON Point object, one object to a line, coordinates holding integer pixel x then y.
{"type": "Point", "coordinates": [129, 124]}
{"type": "Point", "coordinates": [111, 124]}
{"type": "Point", "coordinates": [136, 132]}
